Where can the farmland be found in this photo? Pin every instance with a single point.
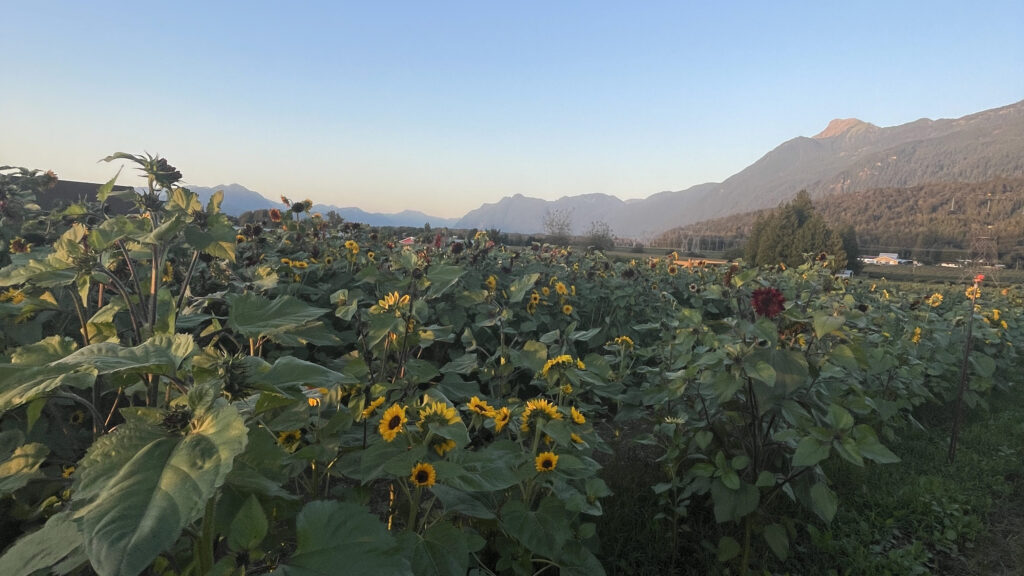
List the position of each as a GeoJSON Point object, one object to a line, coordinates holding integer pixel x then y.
{"type": "Point", "coordinates": [179, 395]}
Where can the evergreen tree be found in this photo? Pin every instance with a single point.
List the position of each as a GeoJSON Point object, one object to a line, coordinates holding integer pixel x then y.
{"type": "Point", "coordinates": [791, 232]}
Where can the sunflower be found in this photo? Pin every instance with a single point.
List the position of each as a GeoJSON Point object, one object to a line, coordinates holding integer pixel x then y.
{"type": "Point", "coordinates": [567, 309]}
{"type": "Point", "coordinates": [560, 289]}
{"type": "Point", "coordinates": [300, 265]}
{"type": "Point", "coordinates": [534, 298]}
{"type": "Point", "coordinates": [566, 389]}
{"type": "Point", "coordinates": [563, 360]}
{"type": "Point", "coordinates": [329, 260]}
{"type": "Point", "coordinates": [491, 283]}
{"type": "Point", "coordinates": [438, 412]}
{"type": "Point", "coordinates": [286, 261]}
{"type": "Point", "coordinates": [539, 406]}
{"type": "Point", "coordinates": [289, 439]}
{"type": "Point", "coordinates": [576, 438]}
{"type": "Point", "coordinates": [546, 461]}
{"type": "Point", "coordinates": [423, 474]}
{"type": "Point", "coordinates": [77, 417]}
{"type": "Point", "coordinates": [67, 471]}
{"type": "Point", "coordinates": [767, 302]}
{"type": "Point", "coordinates": [371, 407]}
{"type": "Point", "coordinates": [577, 416]}
{"type": "Point", "coordinates": [973, 292]}
{"type": "Point", "coordinates": [935, 300]}
{"type": "Point", "coordinates": [442, 446]}
{"type": "Point", "coordinates": [12, 295]}
{"type": "Point", "coordinates": [916, 337]}
{"type": "Point", "coordinates": [479, 406]}
{"type": "Point", "coordinates": [275, 215]}
{"type": "Point", "coordinates": [673, 270]}
{"type": "Point", "coordinates": [624, 342]}
{"type": "Point", "coordinates": [239, 238]}
{"type": "Point", "coordinates": [392, 422]}
{"type": "Point", "coordinates": [501, 417]}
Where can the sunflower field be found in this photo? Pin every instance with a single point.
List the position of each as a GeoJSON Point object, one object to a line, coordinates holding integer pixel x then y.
{"type": "Point", "coordinates": [300, 396]}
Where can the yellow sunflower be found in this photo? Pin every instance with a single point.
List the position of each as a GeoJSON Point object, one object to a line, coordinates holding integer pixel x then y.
{"type": "Point", "coordinates": [546, 461]}
{"type": "Point", "coordinates": [479, 406]}
{"type": "Point", "coordinates": [566, 309]}
{"type": "Point", "coordinates": [560, 289]}
{"type": "Point", "coordinates": [935, 300]}
{"type": "Point", "coordinates": [973, 292]}
{"type": "Point", "coordinates": [442, 446]}
{"type": "Point", "coordinates": [438, 412]}
{"type": "Point", "coordinates": [423, 474]}
{"type": "Point", "coordinates": [491, 283]}
{"type": "Point", "coordinates": [539, 406]}
{"type": "Point", "coordinates": [501, 417]}
{"type": "Point", "coordinates": [289, 439]}
{"type": "Point", "coordinates": [577, 416]}
{"type": "Point", "coordinates": [392, 422]}
{"type": "Point", "coordinates": [372, 407]}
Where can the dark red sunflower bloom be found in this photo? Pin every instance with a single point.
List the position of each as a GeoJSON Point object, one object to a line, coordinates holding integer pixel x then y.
{"type": "Point", "coordinates": [767, 302]}
{"type": "Point", "coordinates": [275, 215]}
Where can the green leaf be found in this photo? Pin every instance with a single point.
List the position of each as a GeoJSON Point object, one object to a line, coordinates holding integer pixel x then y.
{"type": "Point", "coordinates": [777, 539]}
{"type": "Point", "coordinates": [441, 551]}
{"type": "Point", "coordinates": [291, 371]}
{"type": "Point", "coordinates": [20, 465]}
{"type": "Point", "coordinates": [984, 366]}
{"type": "Point", "coordinates": [825, 323]}
{"type": "Point", "coordinates": [839, 417]}
{"type": "Point", "coordinates": [249, 526]}
{"type": "Point", "coordinates": [728, 548]}
{"type": "Point", "coordinates": [103, 191]}
{"type": "Point", "coordinates": [761, 371]}
{"type": "Point", "coordinates": [824, 502]}
{"type": "Point", "coordinates": [253, 316]}
{"type": "Point", "coordinates": [19, 384]}
{"type": "Point", "coordinates": [734, 504]}
{"type": "Point", "coordinates": [54, 542]}
{"type": "Point", "coordinates": [341, 537]}
{"type": "Point", "coordinates": [136, 511]}
{"type": "Point", "coordinates": [217, 239]}
{"type": "Point", "coordinates": [161, 354]}
{"type": "Point", "coordinates": [441, 278]}
{"type": "Point", "coordinates": [543, 531]}
{"type": "Point", "coordinates": [809, 452]}
{"type": "Point", "coordinates": [520, 287]}
{"type": "Point", "coordinates": [870, 447]}
{"type": "Point", "coordinates": [460, 502]}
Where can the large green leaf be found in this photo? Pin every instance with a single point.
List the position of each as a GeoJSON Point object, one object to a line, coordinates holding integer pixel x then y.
{"type": "Point", "coordinates": [441, 551]}
{"type": "Point", "coordinates": [54, 542]}
{"type": "Point", "coordinates": [824, 501]}
{"type": "Point", "coordinates": [134, 512]}
{"type": "Point", "coordinates": [254, 316]}
{"type": "Point", "coordinates": [342, 538]}
{"type": "Point", "coordinates": [543, 531]}
{"type": "Point", "coordinates": [217, 239]}
{"type": "Point", "coordinates": [19, 463]}
{"type": "Point", "coordinates": [161, 354]}
{"type": "Point", "coordinates": [442, 278]}
{"type": "Point", "coordinates": [291, 371]}
{"type": "Point", "coordinates": [810, 451]}
{"type": "Point", "coordinates": [518, 288]}
{"type": "Point", "coordinates": [20, 384]}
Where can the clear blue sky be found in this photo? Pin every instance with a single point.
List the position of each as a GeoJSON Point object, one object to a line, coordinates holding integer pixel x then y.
{"type": "Point", "coordinates": [442, 106]}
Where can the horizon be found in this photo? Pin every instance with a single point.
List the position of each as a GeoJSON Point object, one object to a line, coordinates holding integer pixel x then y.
{"type": "Point", "coordinates": [444, 109]}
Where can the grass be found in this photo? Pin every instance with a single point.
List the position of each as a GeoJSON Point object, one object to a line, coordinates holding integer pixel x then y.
{"type": "Point", "coordinates": [921, 516]}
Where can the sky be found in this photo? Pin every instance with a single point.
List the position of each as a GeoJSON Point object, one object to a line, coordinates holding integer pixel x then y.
{"type": "Point", "coordinates": [443, 106]}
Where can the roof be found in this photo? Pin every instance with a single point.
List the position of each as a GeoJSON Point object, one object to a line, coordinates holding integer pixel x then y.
{"type": "Point", "coordinates": [68, 192]}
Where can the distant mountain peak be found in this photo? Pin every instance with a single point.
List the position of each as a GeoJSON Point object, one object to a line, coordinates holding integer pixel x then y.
{"type": "Point", "coordinates": [841, 126]}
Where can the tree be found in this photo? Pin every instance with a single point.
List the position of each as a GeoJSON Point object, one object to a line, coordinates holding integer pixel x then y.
{"type": "Point", "coordinates": [558, 225]}
{"type": "Point", "coordinates": [600, 236]}
{"type": "Point", "coordinates": [790, 232]}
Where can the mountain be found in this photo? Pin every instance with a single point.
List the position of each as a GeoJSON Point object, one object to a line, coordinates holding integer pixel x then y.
{"type": "Point", "coordinates": [848, 155]}
{"type": "Point", "coordinates": [239, 199]}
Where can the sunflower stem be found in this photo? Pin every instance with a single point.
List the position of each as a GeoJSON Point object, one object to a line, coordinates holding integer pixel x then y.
{"type": "Point", "coordinates": [414, 508]}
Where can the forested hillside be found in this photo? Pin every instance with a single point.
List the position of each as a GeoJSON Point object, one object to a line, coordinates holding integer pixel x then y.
{"type": "Point", "coordinates": [919, 221]}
